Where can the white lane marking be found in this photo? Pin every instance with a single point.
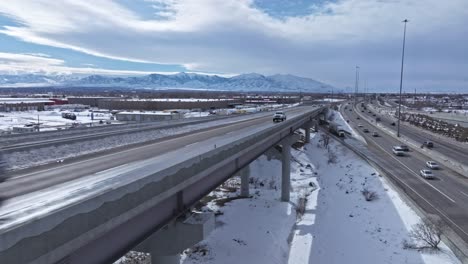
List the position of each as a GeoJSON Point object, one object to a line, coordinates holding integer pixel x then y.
{"type": "Point", "coordinates": [191, 144]}
{"type": "Point", "coordinates": [415, 173]}
{"type": "Point", "coordinates": [464, 193]}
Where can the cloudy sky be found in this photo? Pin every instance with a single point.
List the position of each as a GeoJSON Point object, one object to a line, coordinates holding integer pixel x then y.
{"type": "Point", "coordinates": [320, 39]}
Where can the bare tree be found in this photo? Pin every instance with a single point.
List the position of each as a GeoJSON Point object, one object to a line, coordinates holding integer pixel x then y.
{"type": "Point", "coordinates": [427, 234]}
{"type": "Point", "coordinates": [325, 140]}
{"type": "Point", "coordinates": [332, 158]}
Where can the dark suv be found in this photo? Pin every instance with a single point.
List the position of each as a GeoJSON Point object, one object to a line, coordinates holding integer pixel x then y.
{"type": "Point", "coordinates": [428, 144]}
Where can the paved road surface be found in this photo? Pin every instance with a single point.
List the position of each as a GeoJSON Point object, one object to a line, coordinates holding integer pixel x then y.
{"type": "Point", "coordinates": [446, 195]}
{"type": "Point", "coordinates": [456, 151]}
{"type": "Point", "coordinates": [22, 183]}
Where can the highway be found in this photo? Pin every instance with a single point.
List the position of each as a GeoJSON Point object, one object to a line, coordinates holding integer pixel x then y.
{"type": "Point", "coordinates": [22, 183]}
{"type": "Point", "coordinates": [70, 212]}
{"type": "Point", "coordinates": [456, 151]}
{"type": "Point", "coordinates": [446, 195]}
{"type": "Point", "coordinates": [20, 142]}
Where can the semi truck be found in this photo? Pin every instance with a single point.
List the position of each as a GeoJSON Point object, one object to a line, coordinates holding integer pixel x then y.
{"type": "Point", "coordinates": [336, 129]}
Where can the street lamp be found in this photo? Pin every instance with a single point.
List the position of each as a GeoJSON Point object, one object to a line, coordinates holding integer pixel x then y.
{"type": "Point", "coordinates": [401, 77]}
{"type": "Point", "coordinates": [356, 85]}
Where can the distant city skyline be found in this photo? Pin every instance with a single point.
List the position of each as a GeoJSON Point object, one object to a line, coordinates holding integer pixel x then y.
{"type": "Point", "coordinates": [323, 40]}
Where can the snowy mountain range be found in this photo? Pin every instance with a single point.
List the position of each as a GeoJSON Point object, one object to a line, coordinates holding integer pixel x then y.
{"type": "Point", "coordinates": [243, 82]}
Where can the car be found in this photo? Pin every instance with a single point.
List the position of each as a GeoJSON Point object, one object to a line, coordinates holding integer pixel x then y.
{"type": "Point", "coordinates": [362, 111]}
{"type": "Point", "coordinates": [432, 165]}
{"type": "Point", "coordinates": [393, 123]}
{"type": "Point", "coordinates": [428, 144]}
{"type": "Point", "coordinates": [359, 125]}
{"type": "Point", "coordinates": [375, 134]}
{"type": "Point", "coordinates": [358, 118]}
{"type": "Point", "coordinates": [404, 147]}
{"type": "Point", "coordinates": [398, 151]}
{"type": "Point", "coordinates": [373, 114]}
{"type": "Point", "coordinates": [427, 174]}
{"type": "Point", "coordinates": [377, 119]}
{"type": "Point", "coordinates": [347, 120]}
{"type": "Point", "coordinates": [279, 116]}
{"type": "Point", "coordinates": [365, 130]}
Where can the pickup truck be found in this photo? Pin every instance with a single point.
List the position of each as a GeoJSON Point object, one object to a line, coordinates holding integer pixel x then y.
{"type": "Point", "coordinates": [279, 117]}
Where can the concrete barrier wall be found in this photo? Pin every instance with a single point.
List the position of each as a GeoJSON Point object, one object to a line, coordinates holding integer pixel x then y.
{"type": "Point", "coordinates": [104, 227]}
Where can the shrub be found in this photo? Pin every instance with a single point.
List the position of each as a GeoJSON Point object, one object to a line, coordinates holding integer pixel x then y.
{"type": "Point", "coordinates": [369, 195]}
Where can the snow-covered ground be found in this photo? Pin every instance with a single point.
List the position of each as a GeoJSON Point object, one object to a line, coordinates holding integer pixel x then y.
{"type": "Point", "coordinates": [338, 226]}
{"type": "Point", "coordinates": [48, 119]}
{"type": "Point", "coordinates": [332, 100]}
{"type": "Point", "coordinates": [337, 117]}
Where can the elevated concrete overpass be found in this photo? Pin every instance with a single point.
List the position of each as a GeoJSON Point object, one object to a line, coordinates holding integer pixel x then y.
{"type": "Point", "coordinates": [99, 216]}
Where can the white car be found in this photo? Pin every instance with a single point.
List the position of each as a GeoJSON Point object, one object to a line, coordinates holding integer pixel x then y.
{"type": "Point", "coordinates": [397, 150]}
{"type": "Point", "coordinates": [432, 165]}
{"type": "Point", "coordinates": [359, 125]}
{"type": "Point", "coordinates": [427, 174]}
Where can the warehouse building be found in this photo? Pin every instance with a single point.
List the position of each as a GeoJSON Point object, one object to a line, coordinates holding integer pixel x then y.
{"type": "Point", "coordinates": [165, 104]}
{"type": "Point", "coordinates": [88, 100]}
{"type": "Point", "coordinates": [23, 104]}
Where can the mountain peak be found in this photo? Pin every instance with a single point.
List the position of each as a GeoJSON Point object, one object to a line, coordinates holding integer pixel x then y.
{"type": "Point", "coordinates": [243, 82]}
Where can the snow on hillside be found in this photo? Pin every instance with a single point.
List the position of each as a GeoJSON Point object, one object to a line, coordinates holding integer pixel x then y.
{"type": "Point", "coordinates": [338, 226]}
{"type": "Point", "coordinates": [251, 81]}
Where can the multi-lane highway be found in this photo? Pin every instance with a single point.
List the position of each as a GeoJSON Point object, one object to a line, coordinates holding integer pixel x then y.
{"type": "Point", "coordinates": [456, 151]}
{"type": "Point", "coordinates": [21, 142]}
{"type": "Point", "coordinates": [445, 196]}
{"type": "Point", "coordinates": [20, 183]}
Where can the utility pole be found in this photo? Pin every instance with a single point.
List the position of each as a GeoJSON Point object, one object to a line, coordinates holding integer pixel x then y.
{"type": "Point", "coordinates": [401, 76]}
{"type": "Point", "coordinates": [356, 85]}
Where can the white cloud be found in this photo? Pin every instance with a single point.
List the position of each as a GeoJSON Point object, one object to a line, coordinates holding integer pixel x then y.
{"type": "Point", "coordinates": [233, 36]}
{"type": "Point", "coordinates": [14, 63]}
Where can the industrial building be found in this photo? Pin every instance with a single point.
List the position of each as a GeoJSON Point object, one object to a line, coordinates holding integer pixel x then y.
{"type": "Point", "coordinates": [165, 104]}
{"type": "Point", "coordinates": [23, 104]}
{"type": "Point", "coordinates": [88, 100]}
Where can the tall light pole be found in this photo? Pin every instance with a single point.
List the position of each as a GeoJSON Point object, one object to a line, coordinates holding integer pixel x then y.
{"type": "Point", "coordinates": [356, 85]}
{"type": "Point", "coordinates": [401, 76]}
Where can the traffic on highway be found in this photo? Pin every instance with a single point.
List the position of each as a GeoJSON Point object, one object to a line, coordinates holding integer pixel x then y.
{"type": "Point", "coordinates": [436, 188]}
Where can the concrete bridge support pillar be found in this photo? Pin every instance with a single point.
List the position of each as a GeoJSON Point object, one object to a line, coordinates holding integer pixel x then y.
{"type": "Point", "coordinates": [307, 127]}
{"type": "Point", "coordinates": [166, 245]}
{"type": "Point", "coordinates": [286, 169]}
{"type": "Point", "coordinates": [244, 189]}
